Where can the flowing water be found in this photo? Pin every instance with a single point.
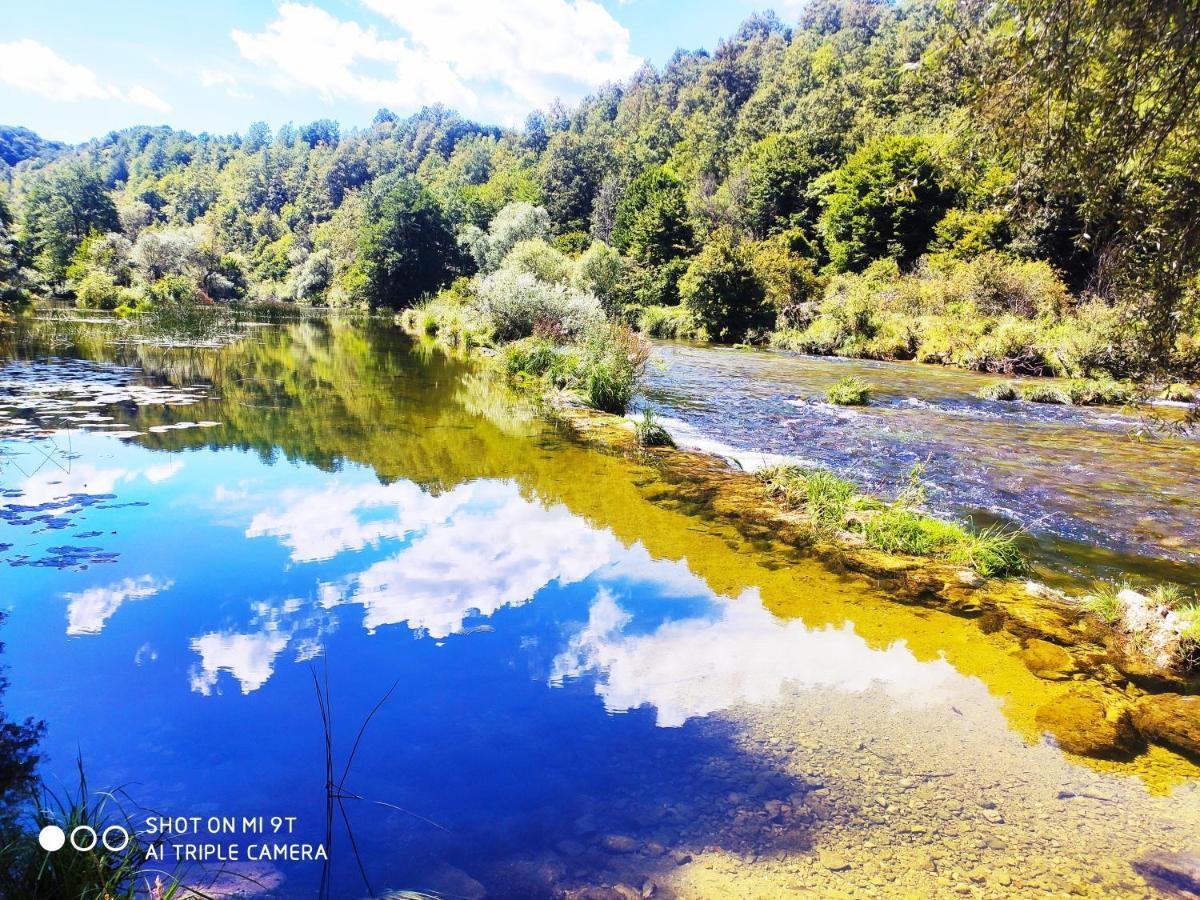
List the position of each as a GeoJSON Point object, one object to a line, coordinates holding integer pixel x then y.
{"type": "Point", "coordinates": [593, 688]}
{"type": "Point", "coordinates": [1099, 496]}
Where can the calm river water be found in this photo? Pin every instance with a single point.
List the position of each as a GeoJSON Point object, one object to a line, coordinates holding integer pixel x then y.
{"type": "Point", "coordinates": [594, 691]}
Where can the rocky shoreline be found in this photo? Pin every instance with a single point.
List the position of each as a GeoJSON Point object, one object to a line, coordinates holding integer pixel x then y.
{"type": "Point", "coordinates": [1115, 702]}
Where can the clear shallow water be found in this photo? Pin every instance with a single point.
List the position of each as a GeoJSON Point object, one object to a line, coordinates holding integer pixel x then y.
{"type": "Point", "coordinates": [593, 685]}
{"type": "Point", "coordinates": [1098, 501]}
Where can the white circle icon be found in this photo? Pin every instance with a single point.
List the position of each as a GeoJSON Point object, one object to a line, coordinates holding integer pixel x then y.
{"type": "Point", "coordinates": [122, 838]}
{"type": "Point", "coordinates": [52, 838]}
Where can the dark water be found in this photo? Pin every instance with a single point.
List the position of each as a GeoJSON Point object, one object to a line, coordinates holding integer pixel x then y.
{"type": "Point", "coordinates": [591, 686]}
{"type": "Point", "coordinates": [1099, 500]}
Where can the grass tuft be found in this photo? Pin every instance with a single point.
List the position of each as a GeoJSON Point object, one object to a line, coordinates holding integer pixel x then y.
{"type": "Point", "coordinates": [650, 433]}
{"type": "Point", "coordinates": [1045, 393]}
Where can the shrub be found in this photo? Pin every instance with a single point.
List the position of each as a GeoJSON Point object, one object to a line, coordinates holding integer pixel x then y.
{"type": "Point", "coordinates": [599, 271]}
{"type": "Point", "coordinates": [540, 260]}
{"type": "Point", "coordinates": [98, 290]}
{"type": "Point", "coordinates": [897, 529]}
{"type": "Point", "coordinates": [1178, 393]}
{"type": "Point", "coordinates": [1099, 392]}
{"type": "Point", "coordinates": [529, 356]}
{"type": "Point", "coordinates": [516, 222]}
{"type": "Point", "coordinates": [612, 361]}
{"type": "Point", "coordinates": [1005, 391]}
{"type": "Point", "coordinates": [849, 392]}
{"type": "Point", "coordinates": [515, 302]}
{"type": "Point", "coordinates": [666, 322]}
{"type": "Point", "coordinates": [650, 433]}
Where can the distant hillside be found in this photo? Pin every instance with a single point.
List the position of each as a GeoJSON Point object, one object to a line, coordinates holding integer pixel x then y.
{"type": "Point", "coordinates": [17, 143]}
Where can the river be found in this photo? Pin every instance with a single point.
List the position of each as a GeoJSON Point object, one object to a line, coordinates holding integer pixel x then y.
{"type": "Point", "coordinates": [580, 684]}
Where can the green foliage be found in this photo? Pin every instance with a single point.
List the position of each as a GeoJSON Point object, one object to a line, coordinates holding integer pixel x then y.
{"type": "Point", "coordinates": [1005, 391]}
{"type": "Point", "coordinates": [1103, 601]}
{"type": "Point", "coordinates": [651, 433]}
{"type": "Point", "coordinates": [98, 290]}
{"type": "Point", "coordinates": [1099, 392]}
{"type": "Point", "coordinates": [517, 302]}
{"type": "Point", "coordinates": [600, 271]}
{"type": "Point", "coordinates": [720, 290]}
{"type": "Point", "coordinates": [771, 184]}
{"type": "Point", "coordinates": [611, 365]}
{"type": "Point", "coordinates": [651, 223]}
{"type": "Point", "coordinates": [406, 248]}
{"type": "Point", "coordinates": [1045, 393]}
{"type": "Point", "coordinates": [884, 202]}
{"type": "Point", "coordinates": [62, 208]}
{"type": "Point", "coordinates": [28, 871]}
{"type": "Point", "coordinates": [826, 497]}
{"type": "Point", "coordinates": [666, 322]}
{"type": "Point", "coordinates": [850, 391]}
{"type": "Point", "coordinates": [516, 222]}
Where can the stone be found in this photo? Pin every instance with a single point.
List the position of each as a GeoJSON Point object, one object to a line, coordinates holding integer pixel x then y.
{"type": "Point", "coordinates": [1172, 873]}
{"type": "Point", "coordinates": [968, 578]}
{"type": "Point", "coordinates": [618, 843]}
{"type": "Point", "coordinates": [649, 888]}
{"type": "Point", "coordinates": [1171, 719]}
{"type": "Point", "coordinates": [1082, 724]}
{"type": "Point", "coordinates": [1047, 660]}
{"type": "Point", "coordinates": [453, 881]}
{"type": "Point", "coordinates": [1039, 618]}
{"type": "Point", "coordinates": [834, 862]}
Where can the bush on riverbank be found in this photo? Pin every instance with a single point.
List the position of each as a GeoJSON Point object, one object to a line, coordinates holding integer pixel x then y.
{"type": "Point", "coordinates": [833, 503]}
{"type": "Point", "coordinates": [993, 313]}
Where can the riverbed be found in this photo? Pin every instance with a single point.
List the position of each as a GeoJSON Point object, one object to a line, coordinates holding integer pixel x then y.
{"type": "Point", "coordinates": [1100, 494]}
{"type": "Point", "coordinates": [581, 685]}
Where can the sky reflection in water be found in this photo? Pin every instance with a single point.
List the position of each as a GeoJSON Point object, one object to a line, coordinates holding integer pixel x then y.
{"type": "Point", "coordinates": [233, 575]}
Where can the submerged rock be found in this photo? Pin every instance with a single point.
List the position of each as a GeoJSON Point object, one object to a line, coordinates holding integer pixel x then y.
{"type": "Point", "coordinates": [1047, 660]}
{"type": "Point", "coordinates": [1171, 873]}
{"type": "Point", "coordinates": [1084, 725]}
{"type": "Point", "coordinates": [1170, 719]}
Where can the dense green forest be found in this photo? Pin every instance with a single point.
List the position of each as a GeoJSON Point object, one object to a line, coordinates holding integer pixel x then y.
{"type": "Point", "coordinates": [884, 180]}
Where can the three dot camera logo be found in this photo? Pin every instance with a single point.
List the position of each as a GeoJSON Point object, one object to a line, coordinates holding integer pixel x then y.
{"type": "Point", "coordinates": [84, 838]}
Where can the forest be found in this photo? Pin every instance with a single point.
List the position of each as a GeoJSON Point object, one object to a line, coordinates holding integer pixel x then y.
{"type": "Point", "coordinates": [889, 181]}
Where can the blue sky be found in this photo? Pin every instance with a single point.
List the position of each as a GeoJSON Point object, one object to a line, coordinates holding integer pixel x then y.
{"type": "Point", "coordinates": [73, 70]}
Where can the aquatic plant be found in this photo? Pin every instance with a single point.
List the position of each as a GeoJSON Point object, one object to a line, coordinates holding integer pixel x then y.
{"type": "Point", "coordinates": [651, 433]}
{"type": "Point", "coordinates": [1045, 393]}
{"type": "Point", "coordinates": [993, 551]}
{"type": "Point", "coordinates": [850, 391]}
{"type": "Point", "coordinates": [897, 529]}
{"type": "Point", "coordinates": [1005, 391]}
{"type": "Point", "coordinates": [825, 496]}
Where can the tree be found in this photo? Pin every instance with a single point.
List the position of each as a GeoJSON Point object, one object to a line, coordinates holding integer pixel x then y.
{"type": "Point", "coordinates": [773, 183]}
{"type": "Point", "coordinates": [651, 223]}
{"type": "Point", "coordinates": [322, 131]}
{"type": "Point", "coordinates": [721, 291]}
{"type": "Point", "coordinates": [1098, 103]}
{"type": "Point", "coordinates": [406, 249]}
{"type": "Point", "coordinates": [258, 136]}
{"type": "Point", "coordinates": [569, 178]}
{"type": "Point", "coordinates": [516, 222]}
{"type": "Point", "coordinates": [9, 264]}
{"type": "Point", "coordinates": [61, 209]}
{"type": "Point", "coordinates": [886, 201]}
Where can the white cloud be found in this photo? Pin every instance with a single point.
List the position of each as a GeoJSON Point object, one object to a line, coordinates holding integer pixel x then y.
{"type": "Point", "coordinates": [87, 611]}
{"type": "Point", "coordinates": [307, 48]}
{"type": "Point", "coordinates": [250, 658]}
{"type": "Point", "coordinates": [36, 69]}
{"type": "Point", "coordinates": [143, 96]}
{"type": "Point", "coordinates": [491, 59]}
{"type": "Point", "coordinates": [698, 666]}
{"type": "Point", "coordinates": [496, 549]}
